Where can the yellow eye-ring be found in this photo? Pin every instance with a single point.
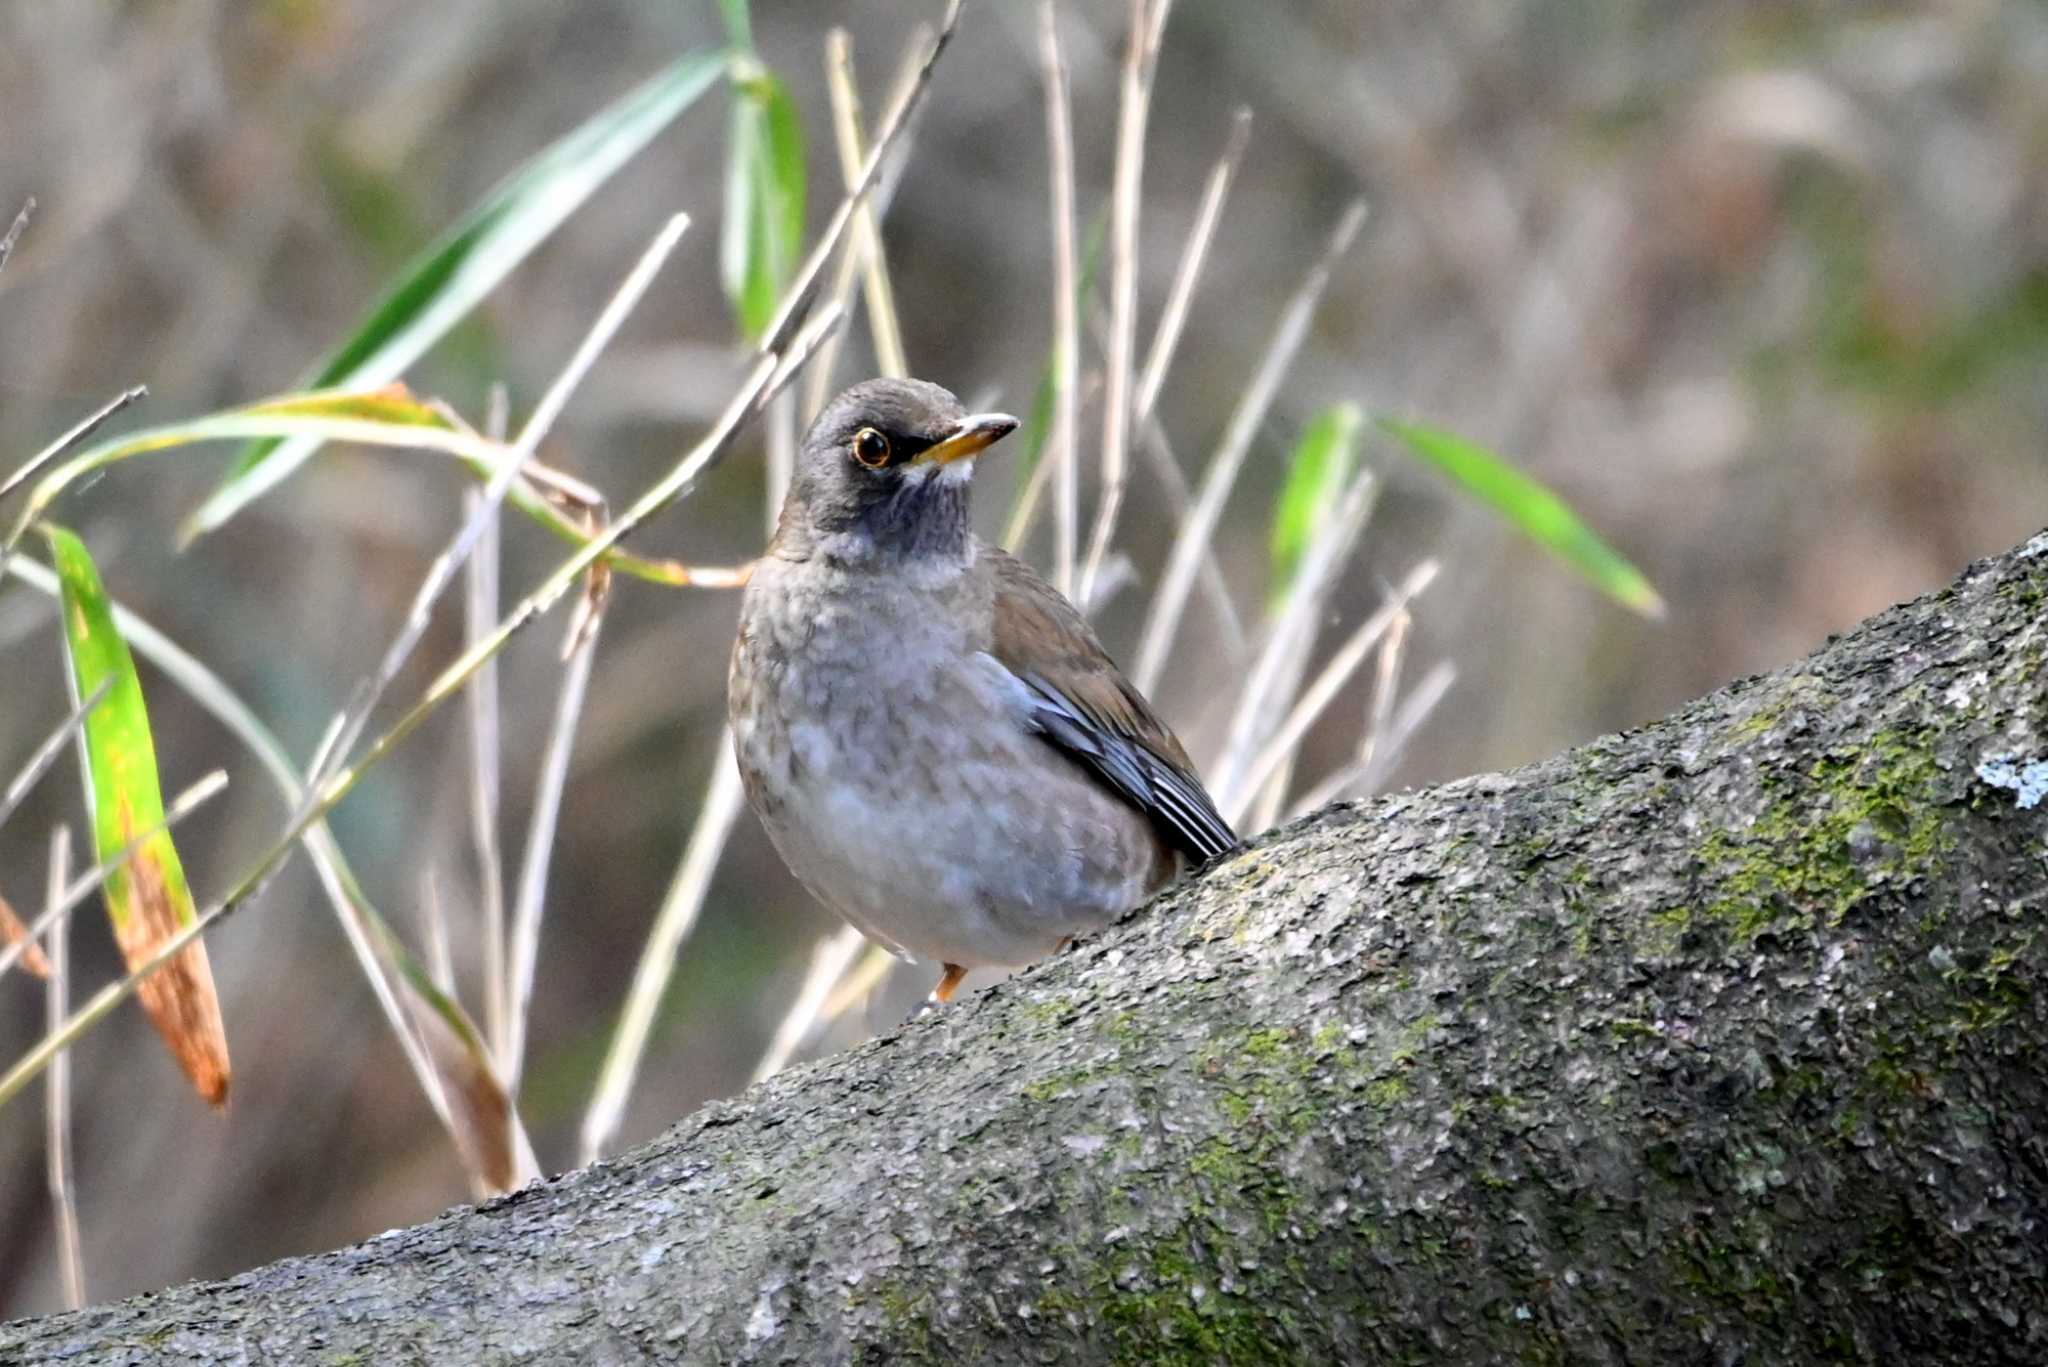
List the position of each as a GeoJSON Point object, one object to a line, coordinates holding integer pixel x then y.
{"type": "Point", "coordinates": [870, 448]}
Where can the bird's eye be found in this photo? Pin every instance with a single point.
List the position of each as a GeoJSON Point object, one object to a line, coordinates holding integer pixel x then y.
{"type": "Point", "coordinates": [870, 448]}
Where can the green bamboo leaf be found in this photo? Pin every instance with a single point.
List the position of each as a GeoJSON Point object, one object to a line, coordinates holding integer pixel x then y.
{"type": "Point", "coordinates": [1540, 514]}
{"type": "Point", "coordinates": [762, 237]}
{"type": "Point", "coordinates": [1316, 475]}
{"type": "Point", "coordinates": [453, 275]}
{"type": "Point", "coordinates": [390, 416]}
{"type": "Point", "coordinates": [147, 898]}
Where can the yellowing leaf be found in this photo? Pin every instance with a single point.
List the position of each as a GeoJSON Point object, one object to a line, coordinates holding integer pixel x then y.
{"type": "Point", "coordinates": [147, 898]}
{"type": "Point", "coordinates": [14, 932]}
{"type": "Point", "coordinates": [390, 416]}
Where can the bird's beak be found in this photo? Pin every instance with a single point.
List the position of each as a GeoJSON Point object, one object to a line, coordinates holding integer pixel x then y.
{"type": "Point", "coordinates": [976, 432]}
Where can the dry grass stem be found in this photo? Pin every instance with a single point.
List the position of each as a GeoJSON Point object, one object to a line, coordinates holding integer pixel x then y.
{"type": "Point", "coordinates": [1385, 688]}
{"type": "Point", "coordinates": [14, 232]}
{"type": "Point", "coordinates": [1147, 26]}
{"type": "Point", "coordinates": [480, 613]}
{"type": "Point", "coordinates": [369, 938]}
{"type": "Point", "coordinates": [1174, 317]}
{"type": "Point", "coordinates": [434, 933]}
{"type": "Point", "coordinates": [1309, 705]}
{"type": "Point", "coordinates": [830, 958]}
{"type": "Point", "coordinates": [796, 298]}
{"type": "Point", "coordinates": [1358, 778]}
{"type": "Point", "coordinates": [46, 752]}
{"type": "Point", "coordinates": [1278, 668]}
{"type": "Point", "coordinates": [679, 909]}
{"type": "Point", "coordinates": [548, 787]}
{"type": "Point", "coordinates": [1163, 621]}
{"type": "Point", "coordinates": [72, 439]}
{"type": "Point", "coordinates": [770, 369]}
{"type": "Point", "coordinates": [1180, 501]}
{"type": "Point", "coordinates": [867, 975]}
{"type": "Point", "coordinates": [88, 883]}
{"type": "Point", "coordinates": [850, 139]}
{"type": "Point", "coordinates": [542, 420]}
{"type": "Point", "coordinates": [1063, 452]}
{"type": "Point", "coordinates": [57, 1086]}
{"type": "Point", "coordinates": [819, 388]}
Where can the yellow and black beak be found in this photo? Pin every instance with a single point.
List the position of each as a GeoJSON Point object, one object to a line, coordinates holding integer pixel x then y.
{"type": "Point", "coordinates": [976, 433]}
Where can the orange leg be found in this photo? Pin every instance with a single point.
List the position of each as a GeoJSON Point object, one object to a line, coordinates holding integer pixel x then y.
{"type": "Point", "coordinates": [949, 983]}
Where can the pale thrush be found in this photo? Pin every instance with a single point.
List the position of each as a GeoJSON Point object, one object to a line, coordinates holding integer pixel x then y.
{"type": "Point", "coordinates": [937, 743]}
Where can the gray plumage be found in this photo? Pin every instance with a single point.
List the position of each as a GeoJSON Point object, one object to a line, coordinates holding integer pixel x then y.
{"type": "Point", "coordinates": [932, 736]}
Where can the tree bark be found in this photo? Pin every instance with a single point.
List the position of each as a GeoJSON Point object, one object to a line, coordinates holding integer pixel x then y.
{"type": "Point", "coordinates": [1715, 1041]}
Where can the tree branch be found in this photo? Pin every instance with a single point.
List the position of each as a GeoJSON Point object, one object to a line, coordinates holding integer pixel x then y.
{"type": "Point", "coordinates": [1716, 1041]}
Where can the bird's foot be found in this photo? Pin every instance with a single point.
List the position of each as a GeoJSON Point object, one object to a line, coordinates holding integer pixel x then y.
{"type": "Point", "coordinates": [949, 983]}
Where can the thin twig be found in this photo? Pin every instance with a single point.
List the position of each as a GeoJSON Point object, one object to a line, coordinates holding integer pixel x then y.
{"type": "Point", "coordinates": [548, 786]}
{"type": "Point", "coordinates": [1147, 23]}
{"type": "Point", "coordinates": [848, 135]}
{"type": "Point", "coordinates": [1163, 621]}
{"type": "Point", "coordinates": [84, 428]}
{"type": "Point", "coordinates": [57, 1087]}
{"type": "Point", "coordinates": [830, 958]}
{"type": "Point", "coordinates": [46, 753]}
{"type": "Point", "coordinates": [1166, 337]}
{"type": "Point", "coordinates": [1066, 339]}
{"type": "Point", "coordinates": [678, 913]}
{"type": "Point", "coordinates": [88, 882]}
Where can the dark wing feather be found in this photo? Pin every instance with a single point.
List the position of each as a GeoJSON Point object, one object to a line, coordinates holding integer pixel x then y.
{"type": "Point", "coordinates": [1083, 705]}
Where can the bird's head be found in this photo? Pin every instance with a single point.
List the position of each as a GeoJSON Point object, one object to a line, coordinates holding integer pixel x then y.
{"type": "Point", "coordinates": [883, 474]}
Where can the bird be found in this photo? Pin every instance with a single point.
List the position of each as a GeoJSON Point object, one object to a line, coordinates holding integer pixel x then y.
{"type": "Point", "coordinates": [934, 739]}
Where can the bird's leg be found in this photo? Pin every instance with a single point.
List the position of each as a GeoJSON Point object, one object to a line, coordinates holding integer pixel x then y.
{"type": "Point", "coordinates": [949, 983]}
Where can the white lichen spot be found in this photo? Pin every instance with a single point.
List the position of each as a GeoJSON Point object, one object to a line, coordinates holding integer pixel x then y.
{"type": "Point", "coordinates": [762, 1324]}
{"type": "Point", "coordinates": [2027, 778]}
{"type": "Point", "coordinates": [2038, 546]}
{"type": "Point", "coordinates": [1963, 691]}
{"type": "Point", "coordinates": [653, 1256]}
{"type": "Point", "coordinates": [1084, 1145]}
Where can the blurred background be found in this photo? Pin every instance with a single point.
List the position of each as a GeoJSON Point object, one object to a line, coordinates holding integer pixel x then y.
{"type": "Point", "coordinates": [1760, 288]}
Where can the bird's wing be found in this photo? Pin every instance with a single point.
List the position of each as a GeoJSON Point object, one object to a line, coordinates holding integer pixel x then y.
{"type": "Point", "coordinates": [1082, 704]}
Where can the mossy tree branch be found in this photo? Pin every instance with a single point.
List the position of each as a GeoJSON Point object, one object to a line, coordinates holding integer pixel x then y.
{"type": "Point", "coordinates": [1721, 1040]}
